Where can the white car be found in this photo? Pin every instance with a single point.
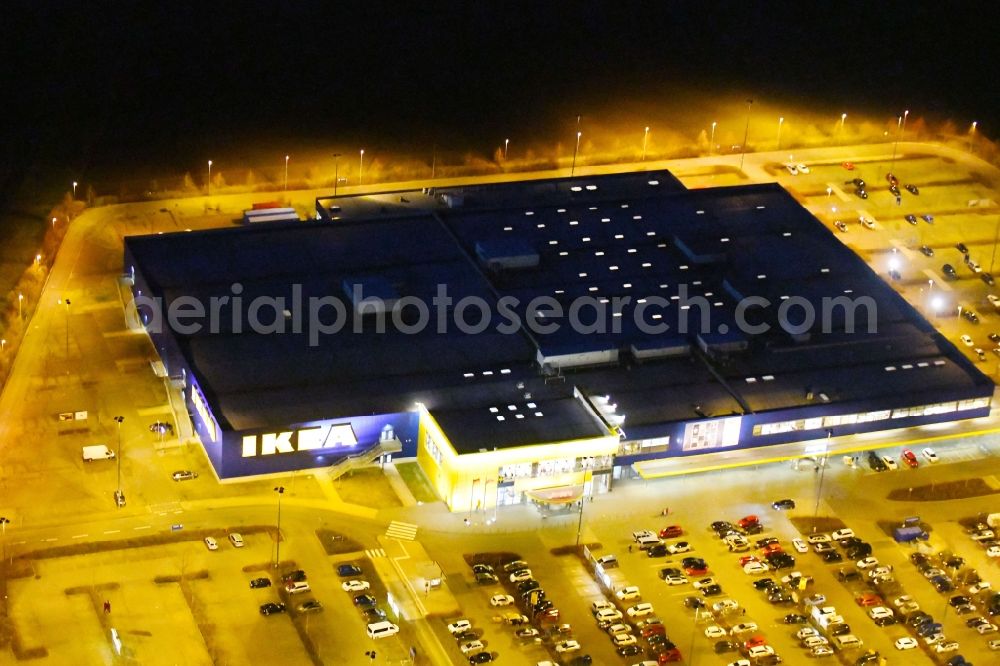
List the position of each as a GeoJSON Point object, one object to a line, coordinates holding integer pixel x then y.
{"type": "Point", "coordinates": [947, 646]}
{"type": "Point", "coordinates": [600, 605]}
{"type": "Point", "coordinates": [715, 631]}
{"type": "Point", "coordinates": [472, 646]}
{"type": "Point", "coordinates": [840, 535]}
{"type": "Point", "coordinates": [643, 534]}
{"type": "Point", "coordinates": [520, 576]}
{"type": "Point", "coordinates": [760, 651]}
{"type": "Point", "coordinates": [211, 543]}
{"type": "Point", "coordinates": [802, 168]}
{"type": "Point", "coordinates": [993, 551]}
{"type": "Point", "coordinates": [755, 568]}
{"type": "Point", "coordinates": [791, 168]}
{"type": "Point", "coordinates": [818, 538]}
{"type": "Point", "coordinates": [675, 580]}
{"type": "Point", "coordinates": [501, 600]}
{"type": "Point", "coordinates": [976, 268]}
{"type": "Point", "coordinates": [679, 547]}
{"type": "Point", "coordinates": [929, 455]}
{"type": "Point", "coordinates": [993, 300]}
{"type": "Point", "coordinates": [743, 628]}
{"type": "Point", "coordinates": [879, 612]}
{"type": "Point", "coordinates": [867, 222]}
{"type": "Point", "coordinates": [640, 610]}
{"type": "Point", "coordinates": [236, 539]}
{"type": "Point", "coordinates": [458, 626]}
{"type": "Point", "coordinates": [822, 651]}
{"type": "Point", "coordinates": [979, 587]}
{"type": "Point", "coordinates": [621, 640]}
{"type": "Point", "coordinates": [354, 585]}
{"type": "Point", "coordinates": [567, 646]}
{"type": "Point", "coordinates": [800, 546]}
{"type": "Point", "coordinates": [626, 593]}
{"type": "Point", "coordinates": [703, 582]}
{"type": "Point", "coordinates": [906, 643]}
{"type": "Point", "coordinates": [986, 628]}
{"type": "Point", "coordinates": [867, 563]}
{"type": "Point", "coordinates": [725, 606]}
{"type": "Point", "coordinates": [890, 462]}
{"type": "Point", "coordinates": [966, 340]}
{"type": "Point", "coordinates": [814, 641]}
{"type": "Point", "coordinates": [806, 632]}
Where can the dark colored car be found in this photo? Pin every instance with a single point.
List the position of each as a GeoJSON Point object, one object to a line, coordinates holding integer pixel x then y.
{"type": "Point", "coordinates": [961, 248]}
{"type": "Point", "coordinates": [260, 582]}
{"type": "Point", "coordinates": [657, 550]}
{"type": "Point", "coordinates": [311, 606]}
{"type": "Point", "coordinates": [372, 615]}
{"type": "Point", "coordinates": [721, 526]}
{"type": "Point", "coordinates": [987, 278]}
{"type": "Point", "coordinates": [876, 463]}
{"type": "Point", "coordinates": [486, 579]}
{"type": "Point", "coordinates": [858, 551]}
{"type": "Point", "coordinates": [756, 528]}
{"type": "Point", "coordinates": [527, 585]}
{"type": "Point", "coordinates": [764, 583]}
{"type": "Point", "coordinates": [780, 598]}
{"type": "Point", "coordinates": [481, 658]}
{"type": "Point", "coordinates": [794, 618]}
{"type": "Point", "coordinates": [669, 571]}
{"type": "Point", "coordinates": [927, 251]}
{"type": "Point", "coordinates": [695, 562]}
{"type": "Point", "coordinates": [721, 647]}
{"type": "Point", "coordinates": [839, 629]}
{"type": "Point", "coordinates": [365, 601]}
{"type": "Point", "coordinates": [859, 183]}
{"type": "Point", "coordinates": [894, 190]}
{"type": "Point", "coordinates": [348, 570]}
{"type": "Point", "coordinates": [832, 556]}
{"type": "Point", "coordinates": [766, 541]}
{"type": "Point", "coordinates": [712, 590]}
{"type": "Point", "coordinates": [581, 660]}
{"type": "Point", "coordinates": [270, 608]}
{"type": "Point", "coordinates": [482, 568]}
{"type": "Point", "coordinates": [693, 602]}
{"type": "Point", "coordinates": [912, 219]}
{"type": "Point", "coordinates": [912, 189]}
{"type": "Point", "coordinates": [970, 316]}
{"type": "Point", "coordinates": [848, 574]}
{"type": "Point", "coordinates": [949, 271]}
{"type": "Point", "coordinates": [629, 650]}
{"type": "Point", "coordinates": [296, 576]}
{"type": "Point", "coordinates": [861, 194]}
{"type": "Point", "coordinates": [783, 504]}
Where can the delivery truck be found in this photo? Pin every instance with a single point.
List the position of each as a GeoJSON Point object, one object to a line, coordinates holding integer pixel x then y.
{"type": "Point", "coordinates": [97, 452]}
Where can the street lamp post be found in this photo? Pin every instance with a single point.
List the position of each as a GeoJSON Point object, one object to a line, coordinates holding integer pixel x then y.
{"type": "Point", "coordinates": [277, 550]}
{"type": "Point", "coordinates": [286, 173]}
{"type": "Point", "coordinates": [579, 524]}
{"type": "Point", "coordinates": [840, 131]}
{"type": "Point", "coordinates": [361, 167]}
{"type": "Point", "coordinates": [3, 343]}
{"type": "Point", "coordinates": [119, 420]}
{"type": "Point", "coordinates": [20, 300]}
{"type": "Point", "coordinates": [996, 237]}
{"type": "Point", "coordinates": [746, 134]}
{"type": "Point", "coordinates": [822, 473]}
{"type": "Point", "coordinates": [74, 189]}
{"type": "Point", "coordinates": [3, 525]}
{"type": "Point", "coordinates": [972, 134]}
{"type": "Point", "coordinates": [781, 121]}
{"type": "Point", "coordinates": [506, 144]}
{"type": "Point", "coordinates": [645, 137]}
{"type": "Point", "coordinates": [66, 302]}
{"type": "Point", "coordinates": [210, 178]}
{"type": "Point", "coordinates": [900, 130]}
{"type": "Point", "coordinates": [711, 141]}
{"type": "Point", "coordinates": [572, 169]}
{"type": "Point", "coordinates": [336, 172]}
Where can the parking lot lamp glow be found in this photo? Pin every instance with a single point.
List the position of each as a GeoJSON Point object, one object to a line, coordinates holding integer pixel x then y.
{"type": "Point", "coordinates": [576, 150]}
{"type": "Point", "coordinates": [781, 121]}
{"type": "Point", "coordinates": [645, 137]}
{"type": "Point", "coordinates": [840, 130]}
{"type": "Point", "coordinates": [506, 144]}
{"type": "Point", "coordinates": [119, 420]}
{"type": "Point", "coordinates": [746, 134]}
{"type": "Point", "coordinates": [286, 173]}
{"type": "Point", "coordinates": [711, 140]}
{"type": "Point", "coordinates": [361, 166]}
{"type": "Point", "coordinates": [210, 178]}
{"type": "Point", "coordinates": [336, 172]}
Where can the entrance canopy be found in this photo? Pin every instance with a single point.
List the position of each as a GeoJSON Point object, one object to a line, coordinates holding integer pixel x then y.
{"type": "Point", "coordinates": [556, 494]}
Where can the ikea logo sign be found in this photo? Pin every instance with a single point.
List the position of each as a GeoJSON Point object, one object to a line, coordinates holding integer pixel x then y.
{"type": "Point", "coordinates": [336, 436]}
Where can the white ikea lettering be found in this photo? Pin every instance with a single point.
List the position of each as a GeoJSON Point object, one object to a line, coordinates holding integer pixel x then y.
{"type": "Point", "coordinates": [276, 443]}
{"type": "Point", "coordinates": [306, 439]}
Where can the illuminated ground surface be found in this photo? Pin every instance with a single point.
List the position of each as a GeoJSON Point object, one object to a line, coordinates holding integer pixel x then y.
{"type": "Point", "coordinates": [87, 360]}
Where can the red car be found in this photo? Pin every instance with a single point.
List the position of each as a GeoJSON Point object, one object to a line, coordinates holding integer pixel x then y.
{"type": "Point", "coordinates": [746, 559]}
{"type": "Point", "coordinates": [747, 521]}
{"type": "Point", "coordinates": [671, 532]}
{"type": "Point", "coordinates": [669, 655]}
{"type": "Point", "coordinates": [755, 641]}
{"type": "Point", "coordinates": [869, 600]}
{"type": "Point", "coordinates": [696, 571]}
{"type": "Point", "coordinates": [848, 165]}
{"type": "Point", "coordinates": [891, 179]}
{"type": "Point", "coordinates": [653, 629]}
{"type": "Point", "coordinates": [909, 458]}
{"type": "Point", "coordinates": [772, 548]}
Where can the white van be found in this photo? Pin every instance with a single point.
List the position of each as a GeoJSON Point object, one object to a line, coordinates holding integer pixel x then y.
{"type": "Point", "coordinates": [297, 587]}
{"type": "Point", "coordinates": [608, 614]}
{"type": "Point", "coordinates": [847, 641]}
{"type": "Point", "coordinates": [648, 541]}
{"type": "Point", "coordinates": [382, 629]}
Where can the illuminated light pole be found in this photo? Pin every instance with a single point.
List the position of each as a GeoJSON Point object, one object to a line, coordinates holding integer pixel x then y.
{"type": "Point", "coordinates": [119, 420]}
{"type": "Point", "coordinates": [74, 189]}
{"type": "Point", "coordinates": [746, 134]}
{"type": "Point", "coordinates": [972, 134]}
{"type": "Point", "coordinates": [286, 173]}
{"type": "Point", "coordinates": [711, 141]}
{"type": "Point", "coordinates": [900, 130]}
{"type": "Point", "coordinates": [20, 301]}
{"type": "Point", "coordinates": [506, 144]}
{"type": "Point", "coordinates": [3, 343]}
{"type": "Point", "coordinates": [996, 236]}
{"type": "Point", "coordinates": [572, 169]}
{"type": "Point", "coordinates": [361, 166]}
{"type": "Point", "coordinates": [840, 130]}
{"type": "Point", "coordinates": [277, 551]}
{"type": "Point", "coordinates": [66, 302]}
{"type": "Point", "coordinates": [645, 136]}
{"type": "Point", "coordinates": [53, 223]}
{"type": "Point", "coordinates": [210, 178]}
{"type": "Point", "coordinates": [336, 172]}
{"type": "Point", "coordinates": [822, 474]}
{"type": "Point", "coordinates": [781, 121]}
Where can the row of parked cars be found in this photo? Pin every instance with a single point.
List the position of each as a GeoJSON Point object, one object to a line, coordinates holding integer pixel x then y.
{"type": "Point", "coordinates": [294, 583]}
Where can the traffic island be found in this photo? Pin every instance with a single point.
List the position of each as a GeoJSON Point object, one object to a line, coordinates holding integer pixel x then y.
{"type": "Point", "coordinates": [948, 490]}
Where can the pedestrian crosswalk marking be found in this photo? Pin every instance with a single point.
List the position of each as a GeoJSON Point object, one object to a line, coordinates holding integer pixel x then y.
{"type": "Point", "coordinates": [375, 552]}
{"type": "Point", "coordinates": [398, 530]}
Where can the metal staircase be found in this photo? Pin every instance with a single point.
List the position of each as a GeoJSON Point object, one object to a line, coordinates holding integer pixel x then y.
{"type": "Point", "coordinates": [364, 458]}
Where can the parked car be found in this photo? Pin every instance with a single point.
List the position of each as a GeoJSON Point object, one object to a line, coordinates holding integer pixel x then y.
{"type": "Point", "coordinates": [270, 608]}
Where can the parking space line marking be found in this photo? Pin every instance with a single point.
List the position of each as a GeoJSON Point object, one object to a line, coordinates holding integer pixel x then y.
{"type": "Point", "coordinates": [112, 531]}
{"type": "Point", "coordinates": [79, 536]}
{"type": "Point", "coordinates": [51, 539]}
{"type": "Point", "coordinates": [143, 527]}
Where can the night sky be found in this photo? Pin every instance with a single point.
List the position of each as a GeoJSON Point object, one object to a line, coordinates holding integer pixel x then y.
{"type": "Point", "coordinates": [162, 85]}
